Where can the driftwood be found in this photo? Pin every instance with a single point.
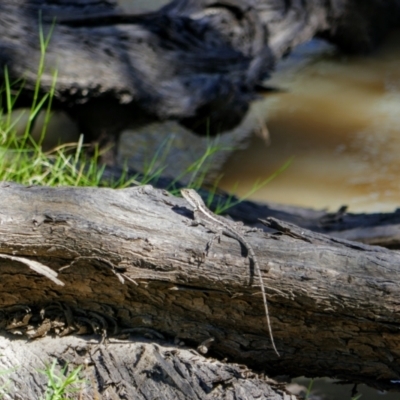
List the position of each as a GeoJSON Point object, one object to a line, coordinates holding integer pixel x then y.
{"type": "Point", "coordinates": [197, 61]}
{"type": "Point", "coordinates": [333, 303]}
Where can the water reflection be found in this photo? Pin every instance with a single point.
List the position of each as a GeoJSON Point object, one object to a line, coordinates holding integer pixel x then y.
{"type": "Point", "coordinates": [340, 119]}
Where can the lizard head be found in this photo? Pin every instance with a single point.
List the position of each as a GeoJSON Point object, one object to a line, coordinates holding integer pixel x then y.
{"type": "Point", "coordinates": [192, 197]}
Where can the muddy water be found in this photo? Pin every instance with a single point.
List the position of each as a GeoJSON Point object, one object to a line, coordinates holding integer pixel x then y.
{"type": "Point", "coordinates": [340, 120]}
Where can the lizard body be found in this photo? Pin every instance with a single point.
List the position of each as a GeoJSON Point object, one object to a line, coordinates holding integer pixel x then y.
{"type": "Point", "coordinates": [220, 225]}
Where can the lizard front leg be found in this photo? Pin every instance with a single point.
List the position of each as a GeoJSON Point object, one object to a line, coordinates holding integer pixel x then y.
{"type": "Point", "coordinates": [217, 235]}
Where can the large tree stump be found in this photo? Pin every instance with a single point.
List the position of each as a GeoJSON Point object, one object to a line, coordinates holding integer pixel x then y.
{"type": "Point", "coordinates": [333, 303]}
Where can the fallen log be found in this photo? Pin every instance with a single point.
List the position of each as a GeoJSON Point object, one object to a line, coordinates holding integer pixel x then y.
{"type": "Point", "coordinates": [333, 303]}
{"type": "Point", "coordinates": [199, 62]}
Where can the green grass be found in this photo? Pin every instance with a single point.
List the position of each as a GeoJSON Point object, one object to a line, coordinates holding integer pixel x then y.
{"type": "Point", "coordinates": [4, 386]}
{"type": "Point", "coordinates": [22, 159]}
{"type": "Point", "coordinates": [60, 385]}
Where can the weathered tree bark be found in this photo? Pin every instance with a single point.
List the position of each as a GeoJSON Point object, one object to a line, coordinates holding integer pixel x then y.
{"type": "Point", "coordinates": [333, 303]}
{"type": "Point", "coordinates": [199, 62]}
{"type": "Point", "coordinates": [131, 369]}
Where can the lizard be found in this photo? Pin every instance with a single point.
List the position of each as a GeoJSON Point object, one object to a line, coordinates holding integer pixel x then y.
{"type": "Point", "coordinates": [218, 225]}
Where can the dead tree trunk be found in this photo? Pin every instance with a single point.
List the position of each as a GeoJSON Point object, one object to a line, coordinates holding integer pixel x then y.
{"type": "Point", "coordinates": [199, 62]}
{"type": "Point", "coordinates": [333, 303]}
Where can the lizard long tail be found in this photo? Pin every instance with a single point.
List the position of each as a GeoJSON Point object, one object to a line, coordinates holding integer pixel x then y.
{"type": "Point", "coordinates": [253, 256]}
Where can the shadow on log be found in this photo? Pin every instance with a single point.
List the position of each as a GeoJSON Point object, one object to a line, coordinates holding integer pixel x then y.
{"type": "Point", "coordinates": [333, 303]}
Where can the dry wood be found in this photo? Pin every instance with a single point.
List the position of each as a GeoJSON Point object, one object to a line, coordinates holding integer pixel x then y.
{"type": "Point", "coordinates": [333, 303]}
{"type": "Point", "coordinates": [136, 369]}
